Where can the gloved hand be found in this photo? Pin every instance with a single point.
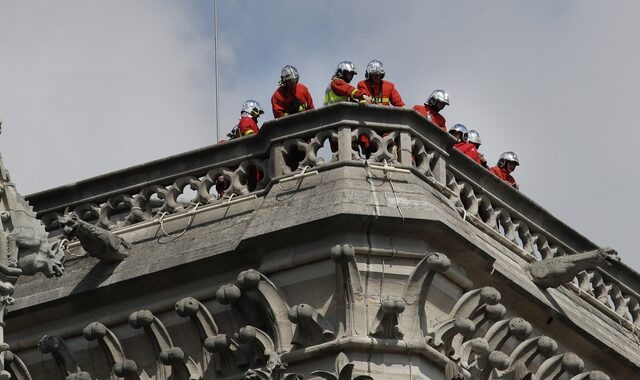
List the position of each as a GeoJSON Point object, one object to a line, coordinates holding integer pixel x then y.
{"type": "Point", "coordinates": [483, 161]}
{"type": "Point", "coordinates": [366, 99]}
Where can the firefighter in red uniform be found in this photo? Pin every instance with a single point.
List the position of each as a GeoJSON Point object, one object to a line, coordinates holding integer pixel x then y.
{"type": "Point", "coordinates": [247, 125]}
{"type": "Point", "coordinates": [291, 97]}
{"type": "Point", "coordinates": [459, 131]}
{"type": "Point", "coordinates": [506, 165]}
{"type": "Point", "coordinates": [339, 90]}
{"type": "Point", "coordinates": [432, 107]}
{"type": "Point", "coordinates": [381, 91]}
{"type": "Point", "coordinates": [473, 137]}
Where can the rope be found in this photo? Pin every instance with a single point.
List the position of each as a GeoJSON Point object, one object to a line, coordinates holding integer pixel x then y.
{"type": "Point", "coordinates": [385, 178]}
{"type": "Point", "coordinates": [176, 236]}
{"type": "Point", "coordinates": [296, 182]}
{"type": "Point", "coordinates": [395, 196]}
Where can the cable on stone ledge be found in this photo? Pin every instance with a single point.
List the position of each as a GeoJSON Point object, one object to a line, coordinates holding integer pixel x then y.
{"type": "Point", "coordinates": [174, 237]}
{"type": "Point", "coordinates": [296, 182]}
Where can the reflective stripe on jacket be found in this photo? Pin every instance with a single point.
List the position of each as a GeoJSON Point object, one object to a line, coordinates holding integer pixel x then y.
{"type": "Point", "coordinates": [385, 95]}
{"type": "Point", "coordinates": [285, 102]}
{"type": "Point", "coordinates": [341, 91]}
{"type": "Point", "coordinates": [247, 125]}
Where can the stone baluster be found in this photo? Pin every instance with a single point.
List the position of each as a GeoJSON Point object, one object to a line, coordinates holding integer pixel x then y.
{"type": "Point", "coordinates": [487, 213]}
{"type": "Point", "coordinates": [404, 149]}
{"type": "Point", "coordinates": [508, 226]}
{"type": "Point", "coordinates": [528, 240]}
{"type": "Point", "coordinates": [619, 300]}
{"type": "Point", "coordinates": [439, 168]}
{"type": "Point", "coordinates": [276, 161]}
{"type": "Point", "coordinates": [634, 310]}
{"type": "Point", "coordinates": [469, 200]}
{"type": "Point", "coordinates": [600, 288]}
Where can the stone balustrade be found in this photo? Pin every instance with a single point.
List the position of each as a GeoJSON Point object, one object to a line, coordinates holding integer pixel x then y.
{"type": "Point", "coordinates": [294, 144]}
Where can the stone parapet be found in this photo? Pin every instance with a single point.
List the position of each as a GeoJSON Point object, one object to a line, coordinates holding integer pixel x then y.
{"type": "Point", "coordinates": [290, 146]}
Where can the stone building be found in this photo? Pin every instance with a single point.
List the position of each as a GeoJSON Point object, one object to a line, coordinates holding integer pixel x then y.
{"type": "Point", "coordinates": [414, 264]}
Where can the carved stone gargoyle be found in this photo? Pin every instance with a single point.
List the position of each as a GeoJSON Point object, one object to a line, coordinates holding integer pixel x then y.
{"type": "Point", "coordinates": [96, 241]}
{"type": "Point", "coordinates": [555, 271]}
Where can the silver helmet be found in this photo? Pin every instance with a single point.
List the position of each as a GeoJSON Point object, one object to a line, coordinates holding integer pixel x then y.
{"type": "Point", "coordinates": [461, 129]}
{"type": "Point", "coordinates": [289, 73]}
{"type": "Point", "coordinates": [474, 137]}
{"type": "Point", "coordinates": [508, 156]}
{"type": "Point", "coordinates": [345, 67]}
{"type": "Point", "coordinates": [252, 108]}
{"type": "Point", "coordinates": [374, 67]}
{"type": "Point", "coordinates": [438, 95]}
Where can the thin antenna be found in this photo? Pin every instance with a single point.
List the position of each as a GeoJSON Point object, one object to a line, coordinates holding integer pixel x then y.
{"type": "Point", "coordinates": [215, 64]}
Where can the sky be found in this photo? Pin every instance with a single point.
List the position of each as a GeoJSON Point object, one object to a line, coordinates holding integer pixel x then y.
{"type": "Point", "coordinates": [88, 87]}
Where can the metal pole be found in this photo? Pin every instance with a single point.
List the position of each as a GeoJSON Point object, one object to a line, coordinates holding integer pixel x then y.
{"type": "Point", "coordinates": [215, 65]}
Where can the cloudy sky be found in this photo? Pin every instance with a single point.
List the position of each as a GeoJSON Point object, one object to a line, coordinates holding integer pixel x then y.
{"type": "Point", "coordinates": [88, 86]}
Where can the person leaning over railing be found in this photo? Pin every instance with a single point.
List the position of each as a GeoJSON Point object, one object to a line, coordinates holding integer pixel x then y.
{"type": "Point", "coordinates": [473, 137]}
{"type": "Point", "coordinates": [382, 93]}
{"type": "Point", "coordinates": [506, 165]}
{"type": "Point", "coordinates": [459, 131]}
{"type": "Point", "coordinates": [247, 125]}
{"type": "Point", "coordinates": [290, 97]}
{"type": "Point", "coordinates": [432, 107]}
{"type": "Point", "coordinates": [248, 122]}
{"type": "Point", "coordinates": [340, 90]}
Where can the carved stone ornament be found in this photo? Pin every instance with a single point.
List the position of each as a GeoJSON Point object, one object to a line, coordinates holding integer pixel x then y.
{"type": "Point", "coordinates": [96, 241]}
{"type": "Point", "coordinates": [312, 327]}
{"type": "Point", "coordinates": [65, 360]}
{"type": "Point", "coordinates": [555, 271]}
{"type": "Point", "coordinates": [386, 324]}
{"type": "Point", "coordinates": [24, 245]}
{"type": "Point", "coordinates": [344, 371]}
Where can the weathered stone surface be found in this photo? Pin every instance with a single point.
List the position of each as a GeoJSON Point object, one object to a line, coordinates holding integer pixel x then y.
{"type": "Point", "coordinates": [280, 277]}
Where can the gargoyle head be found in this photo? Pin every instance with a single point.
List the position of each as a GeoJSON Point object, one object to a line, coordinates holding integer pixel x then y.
{"type": "Point", "coordinates": [608, 255]}
{"type": "Point", "coordinates": [68, 224]}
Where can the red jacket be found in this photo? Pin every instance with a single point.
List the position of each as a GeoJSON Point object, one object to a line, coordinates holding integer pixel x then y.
{"type": "Point", "coordinates": [247, 125]}
{"type": "Point", "coordinates": [341, 91]}
{"type": "Point", "coordinates": [432, 115]}
{"type": "Point", "coordinates": [504, 175]}
{"type": "Point", "coordinates": [387, 95]}
{"type": "Point", "coordinates": [469, 149]}
{"type": "Point", "coordinates": [285, 102]}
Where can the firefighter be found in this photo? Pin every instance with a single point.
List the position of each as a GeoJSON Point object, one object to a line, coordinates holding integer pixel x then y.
{"type": "Point", "coordinates": [339, 90]}
{"type": "Point", "coordinates": [291, 97]}
{"type": "Point", "coordinates": [381, 91]}
{"type": "Point", "coordinates": [473, 137]}
{"type": "Point", "coordinates": [459, 131]}
{"type": "Point", "coordinates": [248, 123]}
{"type": "Point", "coordinates": [432, 107]}
{"type": "Point", "coordinates": [506, 165]}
